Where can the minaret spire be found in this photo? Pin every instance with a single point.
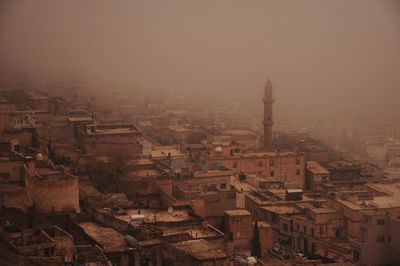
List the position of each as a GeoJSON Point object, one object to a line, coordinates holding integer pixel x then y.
{"type": "Point", "coordinates": [268, 121]}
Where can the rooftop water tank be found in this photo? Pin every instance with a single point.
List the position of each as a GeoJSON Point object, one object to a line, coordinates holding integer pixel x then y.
{"type": "Point", "coordinates": [218, 149]}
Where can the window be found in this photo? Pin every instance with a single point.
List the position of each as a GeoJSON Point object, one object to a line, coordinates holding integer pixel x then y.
{"type": "Point", "coordinates": [272, 162]}
{"type": "Point", "coordinates": [389, 239]}
{"type": "Point", "coordinates": [285, 227]}
{"type": "Point", "coordinates": [297, 227]}
{"type": "Point", "coordinates": [211, 187]}
{"type": "Point", "coordinates": [380, 222]}
{"type": "Point", "coordinates": [234, 164]}
{"type": "Point", "coordinates": [272, 173]}
{"type": "Point", "coordinates": [222, 186]}
{"type": "Point", "coordinates": [260, 164]}
{"type": "Point", "coordinates": [312, 231]}
{"type": "Point", "coordinates": [305, 229]}
{"type": "Point", "coordinates": [338, 232]}
{"type": "Point", "coordinates": [297, 161]}
{"type": "Point", "coordinates": [380, 239]}
{"type": "Point", "coordinates": [4, 175]}
{"type": "Point", "coordinates": [297, 172]}
{"type": "Point", "coordinates": [356, 255]}
{"type": "Point", "coordinates": [274, 218]}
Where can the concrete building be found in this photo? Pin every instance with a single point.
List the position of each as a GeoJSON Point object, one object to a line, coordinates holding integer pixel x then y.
{"type": "Point", "coordinates": [286, 167]}
{"type": "Point", "coordinates": [36, 186]}
{"type": "Point", "coordinates": [247, 139]}
{"type": "Point", "coordinates": [116, 140]}
{"type": "Point", "coordinates": [379, 239]}
{"type": "Point", "coordinates": [317, 224]}
{"type": "Point", "coordinates": [46, 242]}
{"type": "Point", "coordinates": [210, 183]}
{"type": "Point", "coordinates": [262, 183]}
{"type": "Point", "coordinates": [315, 176]}
{"type": "Point", "coordinates": [198, 253]}
{"type": "Point", "coordinates": [238, 227]}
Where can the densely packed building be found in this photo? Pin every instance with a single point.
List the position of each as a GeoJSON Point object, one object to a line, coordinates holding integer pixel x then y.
{"type": "Point", "coordinates": [109, 181]}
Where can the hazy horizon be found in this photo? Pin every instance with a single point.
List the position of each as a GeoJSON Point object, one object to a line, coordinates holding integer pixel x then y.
{"type": "Point", "coordinates": [327, 59]}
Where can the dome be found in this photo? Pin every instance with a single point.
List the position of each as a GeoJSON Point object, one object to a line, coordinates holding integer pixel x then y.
{"type": "Point", "coordinates": [218, 149]}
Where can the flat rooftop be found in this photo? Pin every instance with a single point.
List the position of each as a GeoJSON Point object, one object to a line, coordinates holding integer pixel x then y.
{"type": "Point", "coordinates": [237, 213]}
{"type": "Point", "coordinates": [178, 129]}
{"type": "Point", "coordinates": [268, 154]}
{"type": "Point", "coordinates": [239, 132]}
{"type": "Point", "coordinates": [110, 238]}
{"type": "Point", "coordinates": [383, 202]}
{"type": "Point", "coordinates": [316, 168]}
{"type": "Point", "coordinates": [349, 204]}
{"type": "Point", "coordinates": [144, 173]}
{"type": "Point", "coordinates": [138, 162]}
{"type": "Point", "coordinates": [195, 231]}
{"type": "Point", "coordinates": [390, 189]}
{"type": "Point", "coordinates": [323, 210]}
{"type": "Point", "coordinates": [112, 131]}
{"type": "Point", "coordinates": [160, 152]}
{"type": "Point", "coordinates": [200, 250]}
{"type": "Point", "coordinates": [282, 209]}
{"type": "Point", "coordinates": [212, 173]}
{"type": "Point", "coordinates": [159, 215]}
{"type": "Point", "coordinates": [263, 224]}
{"type": "Point", "coordinates": [79, 119]}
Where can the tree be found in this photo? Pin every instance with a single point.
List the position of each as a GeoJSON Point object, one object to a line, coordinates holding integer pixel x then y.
{"type": "Point", "coordinates": [256, 244]}
{"type": "Point", "coordinates": [37, 202]}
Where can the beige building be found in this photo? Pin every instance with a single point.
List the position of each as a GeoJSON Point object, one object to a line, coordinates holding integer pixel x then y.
{"type": "Point", "coordinates": [116, 140]}
{"type": "Point", "coordinates": [247, 139]}
{"type": "Point", "coordinates": [315, 176]}
{"type": "Point", "coordinates": [285, 167]}
{"type": "Point", "coordinates": [211, 184]}
{"type": "Point", "coordinates": [36, 186]}
{"type": "Point", "coordinates": [198, 253]}
{"type": "Point", "coordinates": [238, 227]}
{"type": "Point", "coordinates": [379, 241]}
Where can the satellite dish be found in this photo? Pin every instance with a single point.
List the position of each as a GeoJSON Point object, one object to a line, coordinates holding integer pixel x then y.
{"type": "Point", "coordinates": [170, 210]}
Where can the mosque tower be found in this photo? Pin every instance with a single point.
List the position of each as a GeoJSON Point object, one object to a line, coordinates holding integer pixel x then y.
{"type": "Point", "coordinates": [268, 122]}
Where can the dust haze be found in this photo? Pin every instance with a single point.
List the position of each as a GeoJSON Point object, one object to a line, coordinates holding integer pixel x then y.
{"type": "Point", "coordinates": [327, 59]}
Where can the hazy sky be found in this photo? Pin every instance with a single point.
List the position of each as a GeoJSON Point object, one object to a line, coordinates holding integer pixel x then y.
{"type": "Point", "coordinates": [325, 58]}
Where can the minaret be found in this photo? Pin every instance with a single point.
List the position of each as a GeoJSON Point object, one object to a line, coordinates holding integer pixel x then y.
{"type": "Point", "coordinates": [268, 101]}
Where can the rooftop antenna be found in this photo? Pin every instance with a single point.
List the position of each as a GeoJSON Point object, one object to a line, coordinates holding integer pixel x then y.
{"type": "Point", "coordinates": [33, 112]}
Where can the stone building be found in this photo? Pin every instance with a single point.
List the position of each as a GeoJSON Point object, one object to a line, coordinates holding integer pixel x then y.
{"type": "Point", "coordinates": [315, 176]}
{"type": "Point", "coordinates": [379, 239]}
{"type": "Point", "coordinates": [198, 253]}
{"type": "Point", "coordinates": [285, 167]}
{"type": "Point", "coordinates": [116, 140]}
{"type": "Point", "coordinates": [35, 186]}
{"type": "Point", "coordinates": [238, 227]}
